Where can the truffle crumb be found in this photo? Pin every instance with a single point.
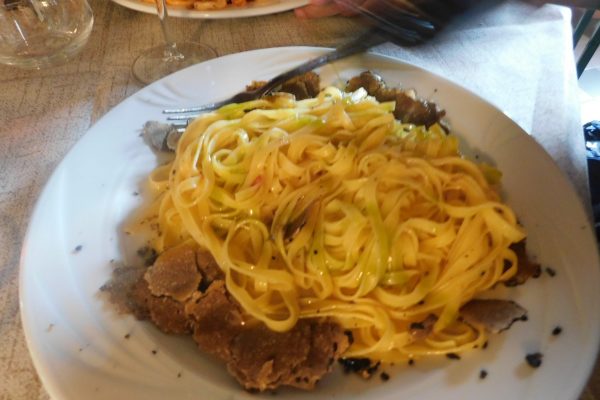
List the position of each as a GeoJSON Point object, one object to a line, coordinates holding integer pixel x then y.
{"type": "Point", "coordinates": [417, 325]}
{"type": "Point", "coordinates": [556, 331]}
{"type": "Point", "coordinates": [355, 364]}
{"type": "Point", "coordinates": [350, 336]}
{"type": "Point", "coordinates": [534, 359]}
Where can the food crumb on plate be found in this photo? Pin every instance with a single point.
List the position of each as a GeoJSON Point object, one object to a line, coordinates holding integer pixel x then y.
{"type": "Point", "coordinates": [534, 359]}
{"type": "Point", "coordinates": [557, 330]}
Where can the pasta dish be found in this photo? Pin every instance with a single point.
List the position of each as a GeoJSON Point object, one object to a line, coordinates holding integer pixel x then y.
{"type": "Point", "coordinates": [330, 208]}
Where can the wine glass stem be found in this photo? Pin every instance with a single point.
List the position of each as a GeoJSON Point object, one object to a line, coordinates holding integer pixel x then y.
{"type": "Point", "coordinates": [171, 47]}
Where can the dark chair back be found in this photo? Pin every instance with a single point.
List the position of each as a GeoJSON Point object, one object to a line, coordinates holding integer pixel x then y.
{"type": "Point", "coordinates": [584, 23]}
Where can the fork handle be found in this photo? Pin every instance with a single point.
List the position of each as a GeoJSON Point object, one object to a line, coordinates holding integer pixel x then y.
{"type": "Point", "coordinates": [370, 38]}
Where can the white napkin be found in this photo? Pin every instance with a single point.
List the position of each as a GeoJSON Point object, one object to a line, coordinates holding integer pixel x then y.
{"type": "Point", "coordinates": [520, 58]}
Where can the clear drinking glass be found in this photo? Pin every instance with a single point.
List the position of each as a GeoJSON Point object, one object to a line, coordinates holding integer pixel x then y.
{"type": "Point", "coordinates": [39, 33]}
{"type": "Point", "coordinates": [169, 57]}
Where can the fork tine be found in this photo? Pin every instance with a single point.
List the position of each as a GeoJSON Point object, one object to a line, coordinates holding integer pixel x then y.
{"type": "Point", "coordinates": [181, 117]}
{"type": "Point", "coordinates": [205, 107]}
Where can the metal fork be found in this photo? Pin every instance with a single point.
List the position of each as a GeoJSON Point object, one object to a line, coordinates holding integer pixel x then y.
{"type": "Point", "coordinates": [371, 38]}
{"type": "Point", "coordinates": [410, 26]}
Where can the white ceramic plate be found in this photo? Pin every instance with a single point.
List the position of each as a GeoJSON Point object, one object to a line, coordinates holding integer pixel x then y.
{"type": "Point", "coordinates": [256, 8]}
{"type": "Point", "coordinates": [79, 346]}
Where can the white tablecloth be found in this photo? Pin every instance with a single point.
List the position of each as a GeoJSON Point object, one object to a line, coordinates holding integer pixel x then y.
{"type": "Point", "coordinates": [515, 56]}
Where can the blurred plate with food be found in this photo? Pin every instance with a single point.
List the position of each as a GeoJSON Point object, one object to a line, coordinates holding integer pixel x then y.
{"type": "Point", "coordinates": [216, 9]}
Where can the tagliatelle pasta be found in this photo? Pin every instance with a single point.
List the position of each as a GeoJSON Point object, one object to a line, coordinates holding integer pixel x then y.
{"type": "Point", "coordinates": [329, 207]}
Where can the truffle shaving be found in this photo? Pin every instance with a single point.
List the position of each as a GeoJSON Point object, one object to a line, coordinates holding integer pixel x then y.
{"type": "Point", "coordinates": [495, 315]}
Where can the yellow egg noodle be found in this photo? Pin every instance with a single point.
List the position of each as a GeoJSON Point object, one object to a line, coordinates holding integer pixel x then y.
{"type": "Point", "coordinates": [329, 207]}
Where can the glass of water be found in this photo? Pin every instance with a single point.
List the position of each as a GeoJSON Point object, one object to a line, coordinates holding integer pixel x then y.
{"type": "Point", "coordinates": [40, 33]}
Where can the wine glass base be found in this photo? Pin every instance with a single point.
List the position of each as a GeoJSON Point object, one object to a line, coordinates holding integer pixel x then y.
{"type": "Point", "coordinates": [158, 62]}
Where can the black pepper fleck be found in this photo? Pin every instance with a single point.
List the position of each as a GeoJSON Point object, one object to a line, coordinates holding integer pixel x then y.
{"type": "Point", "coordinates": [384, 376]}
{"type": "Point", "coordinates": [556, 331]}
{"type": "Point", "coordinates": [350, 336]}
{"type": "Point", "coordinates": [485, 345]}
{"type": "Point", "coordinates": [77, 248]}
{"type": "Point", "coordinates": [417, 326]}
{"type": "Point", "coordinates": [534, 359]}
{"type": "Point", "coordinates": [453, 356]}
{"type": "Point", "coordinates": [179, 374]}
{"type": "Point", "coordinates": [355, 364]}
{"type": "Point", "coordinates": [373, 368]}
{"type": "Point", "coordinates": [411, 362]}
{"type": "Point", "coordinates": [483, 374]}
{"type": "Point", "coordinates": [550, 272]}
{"type": "Point", "coordinates": [154, 351]}
{"type": "Point", "coordinates": [127, 336]}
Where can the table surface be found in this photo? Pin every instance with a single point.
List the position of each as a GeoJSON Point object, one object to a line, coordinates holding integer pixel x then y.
{"type": "Point", "coordinates": [43, 113]}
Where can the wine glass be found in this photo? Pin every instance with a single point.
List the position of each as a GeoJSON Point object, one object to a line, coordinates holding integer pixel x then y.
{"type": "Point", "coordinates": [169, 57]}
{"type": "Point", "coordinates": [36, 34]}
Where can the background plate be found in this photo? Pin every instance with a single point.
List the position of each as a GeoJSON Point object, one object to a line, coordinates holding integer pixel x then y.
{"type": "Point", "coordinates": [81, 349]}
{"type": "Point", "coordinates": [258, 7]}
